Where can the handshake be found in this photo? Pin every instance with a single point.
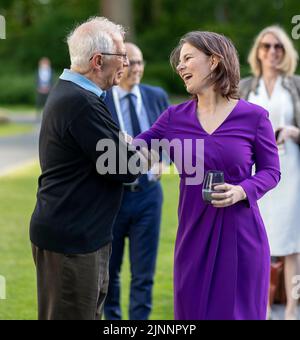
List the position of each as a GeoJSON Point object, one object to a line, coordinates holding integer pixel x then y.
{"type": "Point", "coordinates": [149, 158]}
{"type": "Point", "coordinates": [128, 138]}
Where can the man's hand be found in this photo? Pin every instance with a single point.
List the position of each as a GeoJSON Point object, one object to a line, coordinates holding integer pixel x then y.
{"type": "Point", "coordinates": [231, 195]}
{"type": "Point", "coordinates": [128, 138]}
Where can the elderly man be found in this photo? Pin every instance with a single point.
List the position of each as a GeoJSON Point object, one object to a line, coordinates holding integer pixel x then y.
{"type": "Point", "coordinates": [71, 226]}
{"type": "Point", "coordinates": [135, 107]}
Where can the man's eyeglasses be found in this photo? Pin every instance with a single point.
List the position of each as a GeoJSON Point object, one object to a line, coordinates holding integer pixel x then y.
{"type": "Point", "coordinates": [267, 46]}
{"type": "Point", "coordinates": [136, 62]}
{"type": "Point", "coordinates": [123, 55]}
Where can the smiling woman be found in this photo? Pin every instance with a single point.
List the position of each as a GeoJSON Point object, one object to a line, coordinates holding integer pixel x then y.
{"type": "Point", "coordinates": [222, 258]}
{"type": "Point", "coordinates": [212, 59]}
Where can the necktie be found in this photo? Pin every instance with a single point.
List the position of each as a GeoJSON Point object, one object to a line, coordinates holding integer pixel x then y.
{"type": "Point", "coordinates": [136, 129]}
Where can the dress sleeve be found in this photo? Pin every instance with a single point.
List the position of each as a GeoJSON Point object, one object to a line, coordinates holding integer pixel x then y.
{"type": "Point", "coordinates": [267, 174]}
{"type": "Point", "coordinates": [157, 131]}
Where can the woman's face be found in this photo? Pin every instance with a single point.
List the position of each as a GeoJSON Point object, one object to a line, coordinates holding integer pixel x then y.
{"type": "Point", "coordinates": [270, 51]}
{"type": "Point", "coordinates": [193, 67]}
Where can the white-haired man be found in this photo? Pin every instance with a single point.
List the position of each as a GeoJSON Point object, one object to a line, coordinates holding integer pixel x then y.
{"type": "Point", "coordinates": [71, 226]}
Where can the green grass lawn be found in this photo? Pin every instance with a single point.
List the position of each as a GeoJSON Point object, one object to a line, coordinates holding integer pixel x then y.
{"type": "Point", "coordinates": [17, 197]}
{"type": "Point", "coordinates": [12, 129]}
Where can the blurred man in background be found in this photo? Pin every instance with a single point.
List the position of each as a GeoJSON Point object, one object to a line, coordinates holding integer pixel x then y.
{"type": "Point", "coordinates": [135, 107]}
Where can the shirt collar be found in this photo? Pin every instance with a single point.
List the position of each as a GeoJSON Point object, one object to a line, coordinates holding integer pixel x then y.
{"type": "Point", "coordinates": [123, 93]}
{"type": "Point", "coordinates": [83, 82]}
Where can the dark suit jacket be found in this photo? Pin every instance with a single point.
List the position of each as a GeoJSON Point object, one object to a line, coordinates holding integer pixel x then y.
{"type": "Point", "coordinates": [155, 101]}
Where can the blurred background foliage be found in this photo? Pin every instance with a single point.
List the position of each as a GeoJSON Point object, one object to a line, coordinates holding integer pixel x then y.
{"type": "Point", "coordinates": [37, 28]}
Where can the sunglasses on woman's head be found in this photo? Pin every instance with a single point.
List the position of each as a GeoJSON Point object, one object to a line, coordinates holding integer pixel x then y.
{"type": "Point", "coordinates": [267, 46]}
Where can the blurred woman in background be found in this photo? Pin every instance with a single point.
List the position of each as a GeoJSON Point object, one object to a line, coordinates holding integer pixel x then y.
{"type": "Point", "coordinates": [273, 61]}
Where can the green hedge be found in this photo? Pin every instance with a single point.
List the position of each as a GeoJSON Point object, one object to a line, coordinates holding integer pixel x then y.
{"type": "Point", "coordinates": [18, 88]}
{"type": "Point", "coordinates": [161, 74]}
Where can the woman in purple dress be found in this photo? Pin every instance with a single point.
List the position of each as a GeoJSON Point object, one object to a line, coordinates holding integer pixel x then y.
{"type": "Point", "coordinates": [222, 257]}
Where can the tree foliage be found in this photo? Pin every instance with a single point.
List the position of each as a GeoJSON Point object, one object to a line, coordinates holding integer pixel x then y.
{"type": "Point", "coordinates": [36, 28]}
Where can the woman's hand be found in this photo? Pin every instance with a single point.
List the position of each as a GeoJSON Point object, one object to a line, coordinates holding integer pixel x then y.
{"type": "Point", "coordinates": [231, 195]}
{"type": "Point", "coordinates": [287, 132]}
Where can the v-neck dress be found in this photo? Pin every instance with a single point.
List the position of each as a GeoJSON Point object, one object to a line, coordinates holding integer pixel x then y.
{"type": "Point", "coordinates": [222, 256]}
{"type": "Point", "coordinates": [280, 207]}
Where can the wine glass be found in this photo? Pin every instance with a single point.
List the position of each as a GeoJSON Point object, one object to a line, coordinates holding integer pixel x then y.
{"type": "Point", "coordinates": [212, 178]}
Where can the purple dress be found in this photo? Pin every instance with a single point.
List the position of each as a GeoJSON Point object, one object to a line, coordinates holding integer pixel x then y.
{"type": "Point", "coordinates": [222, 258]}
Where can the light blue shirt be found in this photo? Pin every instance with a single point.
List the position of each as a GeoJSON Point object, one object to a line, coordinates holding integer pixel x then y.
{"type": "Point", "coordinates": [124, 114]}
{"type": "Point", "coordinates": [83, 82]}
{"type": "Point", "coordinates": [139, 106]}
